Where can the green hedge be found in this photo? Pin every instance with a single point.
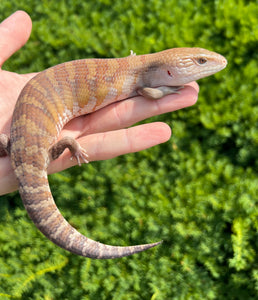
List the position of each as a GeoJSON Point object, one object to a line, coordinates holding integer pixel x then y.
{"type": "Point", "coordinates": [198, 192]}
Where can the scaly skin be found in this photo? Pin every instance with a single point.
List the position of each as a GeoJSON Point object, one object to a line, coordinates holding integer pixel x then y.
{"type": "Point", "coordinates": [68, 90]}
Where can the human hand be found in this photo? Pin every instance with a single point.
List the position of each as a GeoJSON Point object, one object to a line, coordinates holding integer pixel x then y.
{"type": "Point", "coordinates": [102, 140]}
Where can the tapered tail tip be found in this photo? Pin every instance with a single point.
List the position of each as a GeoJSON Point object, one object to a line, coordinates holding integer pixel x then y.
{"type": "Point", "coordinates": [108, 252]}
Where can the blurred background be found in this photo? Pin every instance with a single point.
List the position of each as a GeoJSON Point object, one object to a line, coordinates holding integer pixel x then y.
{"type": "Point", "coordinates": [198, 192]}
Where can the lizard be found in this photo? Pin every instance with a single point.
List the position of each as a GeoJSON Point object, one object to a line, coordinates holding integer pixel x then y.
{"type": "Point", "coordinates": [62, 92]}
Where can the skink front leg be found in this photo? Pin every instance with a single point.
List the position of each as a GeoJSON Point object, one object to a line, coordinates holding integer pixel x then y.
{"type": "Point", "coordinates": [75, 148]}
{"type": "Point", "coordinates": [159, 92]}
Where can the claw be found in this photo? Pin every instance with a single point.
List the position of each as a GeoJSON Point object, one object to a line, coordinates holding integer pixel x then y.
{"type": "Point", "coordinates": [80, 154]}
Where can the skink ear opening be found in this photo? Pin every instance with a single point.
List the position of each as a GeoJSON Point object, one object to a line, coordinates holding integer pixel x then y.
{"type": "Point", "coordinates": [169, 73]}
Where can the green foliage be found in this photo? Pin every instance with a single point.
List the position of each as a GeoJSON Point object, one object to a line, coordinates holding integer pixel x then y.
{"type": "Point", "coordinates": [198, 192]}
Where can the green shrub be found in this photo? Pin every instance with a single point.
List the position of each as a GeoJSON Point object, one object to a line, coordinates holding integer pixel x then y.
{"type": "Point", "coordinates": [198, 192]}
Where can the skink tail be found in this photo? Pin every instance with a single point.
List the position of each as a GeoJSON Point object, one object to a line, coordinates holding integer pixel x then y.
{"type": "Point", "coordinates": [43, 211]}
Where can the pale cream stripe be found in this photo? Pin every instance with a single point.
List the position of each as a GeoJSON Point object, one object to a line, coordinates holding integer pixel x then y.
{"type": "Point", "coordinates": [35, 149]}
{"type": "Point", "coordinates": [33, 127]}
{"type": "Point", "coordinates": [31, 150]}
{"type": "Point", "coordinates": [31, 99]}
{"type": "Point", "coordinates": [19, 171]}
{"type": "Point", "coordinates": [37, 84]}
{"type": "Point", "coordinates": [21, 121]}
{"type": "Point", "coordinates": [73, 237]}
{"type": "Point", "coordinates": [46, 221]}
{"type": "Point", "coordinates": [61, 227]}
{"type": "Point", "coordinates": [32, 190]}
{"type": "Point", "coordinates": [18, 144]}
{"type": "Point", "coordinates": [42, 204]}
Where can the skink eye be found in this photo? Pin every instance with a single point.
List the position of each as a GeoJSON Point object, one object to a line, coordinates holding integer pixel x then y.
{"type": "Point", "coordinates": [201, 60]}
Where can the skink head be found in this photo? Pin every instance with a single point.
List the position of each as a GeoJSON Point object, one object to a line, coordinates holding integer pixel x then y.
{"type": "Point", "coordinates": [183, 65]}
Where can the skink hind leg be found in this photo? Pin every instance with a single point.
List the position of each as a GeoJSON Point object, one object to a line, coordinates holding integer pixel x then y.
{"type": "Point", "coordinates": [75, 148]}
{"type": "Point", "coordinates": [4, 145]}
{"type": "Point", "coordinates": [158, 92]}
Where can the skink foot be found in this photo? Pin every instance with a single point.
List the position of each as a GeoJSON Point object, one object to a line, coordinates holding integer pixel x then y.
{"type": "Point", "coordinates": [75, 148]}
{"type": "Point", "coordinates": [159, 92]}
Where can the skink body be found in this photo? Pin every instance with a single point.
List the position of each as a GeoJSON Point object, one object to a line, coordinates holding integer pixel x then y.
{"type": "Point", "coordinates": [63, 92]}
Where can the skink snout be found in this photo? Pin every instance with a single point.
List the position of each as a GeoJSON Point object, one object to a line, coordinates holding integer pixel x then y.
{"type": "Point", "coordinates": [223, 61]}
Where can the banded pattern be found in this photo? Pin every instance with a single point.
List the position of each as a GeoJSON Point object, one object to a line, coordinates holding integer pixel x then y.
{"type": "Point", "coordinates": [68, 90]}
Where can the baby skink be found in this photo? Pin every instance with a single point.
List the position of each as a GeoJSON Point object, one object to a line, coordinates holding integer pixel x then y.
{"type": "Point", "coordinates": [57, 95]}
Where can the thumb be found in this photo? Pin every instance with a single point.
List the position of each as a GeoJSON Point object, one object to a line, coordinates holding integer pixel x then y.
{"type": "Point", "coordinates": [14, 33]}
